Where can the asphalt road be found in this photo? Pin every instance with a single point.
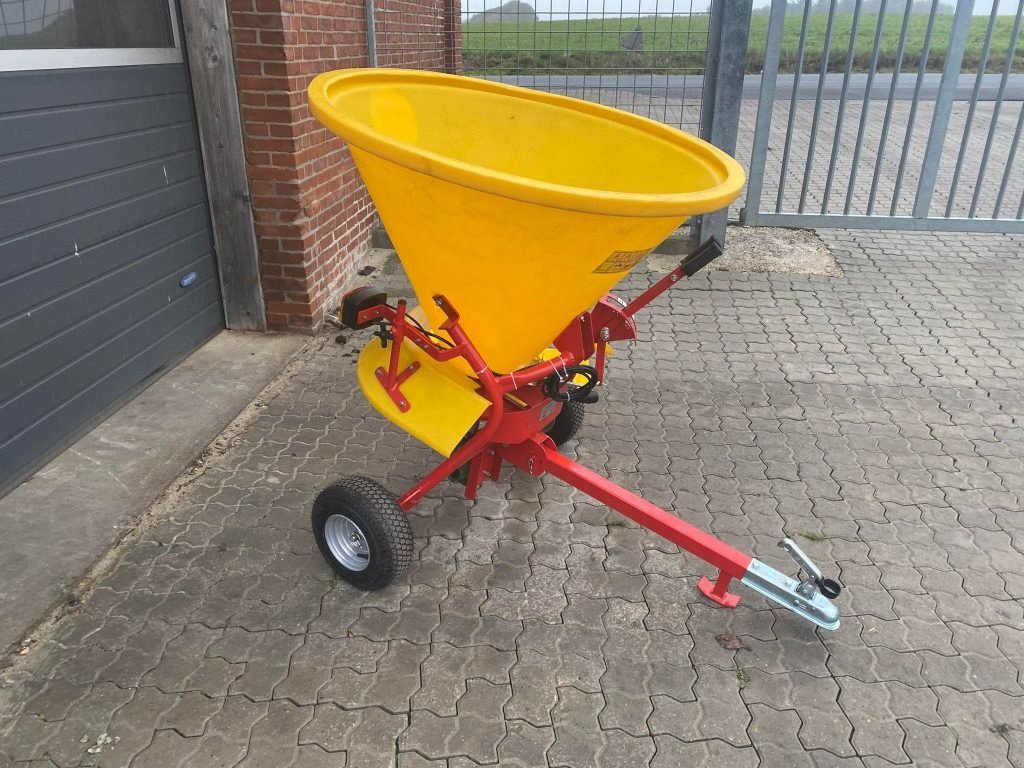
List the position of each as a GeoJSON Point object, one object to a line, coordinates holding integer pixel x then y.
{"type": "Point", "coordinates": [690, 86]}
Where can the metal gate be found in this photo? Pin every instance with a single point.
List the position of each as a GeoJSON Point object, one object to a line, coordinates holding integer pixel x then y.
{"type": "Point", "coordinates": [930, 145]}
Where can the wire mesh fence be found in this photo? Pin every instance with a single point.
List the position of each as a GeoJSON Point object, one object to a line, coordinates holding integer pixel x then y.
{"type": "Point", "coordinates": [645, 58]}
{"type": "Point", "coordinates": [650, 62]}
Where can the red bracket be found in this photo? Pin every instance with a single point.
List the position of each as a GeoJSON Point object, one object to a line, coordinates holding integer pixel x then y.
{"type": "Point", "coordinates": [392, 386]}
{"type": "Point", "coordinates": [717, 592]}
{"type": "Point", "coordinates": [484, 466]}
{"type": "Point", "coordinates": [391, 379]}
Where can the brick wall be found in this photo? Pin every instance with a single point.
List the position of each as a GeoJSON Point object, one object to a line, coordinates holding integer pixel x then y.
{"type": "Point", "coordinates": [313, 216]}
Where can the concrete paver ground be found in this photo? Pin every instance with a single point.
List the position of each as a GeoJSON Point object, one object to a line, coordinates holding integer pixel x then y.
{"type": "Point", "coordinates": [876, 417]}
{"type": "Point", "coordinates": [59, 522]}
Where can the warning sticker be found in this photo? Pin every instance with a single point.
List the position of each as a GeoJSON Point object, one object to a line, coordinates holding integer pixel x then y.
{"type": "Point", "coordinates": [621, 261]}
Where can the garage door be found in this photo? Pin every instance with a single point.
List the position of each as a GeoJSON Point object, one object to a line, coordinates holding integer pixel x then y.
{"type": "Point", "coordinates": [107, 272]}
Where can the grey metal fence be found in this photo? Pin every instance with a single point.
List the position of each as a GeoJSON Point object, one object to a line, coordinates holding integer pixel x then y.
{"type": "Point", "coordinates": [932, 144]}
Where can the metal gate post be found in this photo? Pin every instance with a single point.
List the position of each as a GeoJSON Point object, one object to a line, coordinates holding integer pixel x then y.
{"type": "Point", "coordinates": [728, 34]}
{"type": "Point", "coordinates": [765, 105]}
{"type": "Point", "coordinates": [371, 34]}
{"type": "Point", "coordinates": [943, 107]}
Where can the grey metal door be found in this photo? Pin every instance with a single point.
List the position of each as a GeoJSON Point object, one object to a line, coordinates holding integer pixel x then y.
{"type": "Point", "coordinates": [925, 136]}
{"type": "Point", "coordinates": [107, 272]}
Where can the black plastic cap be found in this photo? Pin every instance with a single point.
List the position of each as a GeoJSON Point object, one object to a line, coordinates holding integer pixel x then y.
{"type": "Point", "coordinates": [703, 255]}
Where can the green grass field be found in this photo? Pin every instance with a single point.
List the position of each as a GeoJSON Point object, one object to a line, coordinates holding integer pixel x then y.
{"type": "Point", "coordinates": [675, 45]}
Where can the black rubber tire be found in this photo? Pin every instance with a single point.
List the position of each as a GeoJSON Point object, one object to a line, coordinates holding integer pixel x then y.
{"type": "Point", "coordinates": [376, 512]}
{"type": "Point", "coordinates": [567, 423]}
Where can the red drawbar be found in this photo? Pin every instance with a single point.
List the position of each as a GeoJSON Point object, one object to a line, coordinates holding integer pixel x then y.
{"type": "Point", "coordinates": [539, 455]}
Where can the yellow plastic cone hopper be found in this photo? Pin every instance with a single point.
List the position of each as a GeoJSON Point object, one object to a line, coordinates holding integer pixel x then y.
{"type": "Point", "coordinates": [521, 207]}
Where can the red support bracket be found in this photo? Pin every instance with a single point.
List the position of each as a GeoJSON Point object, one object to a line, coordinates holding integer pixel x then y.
{"type": "Point", "coordinates": [391, 379]}
{"type": "Point", "coordinates": [391, 385]}
{"type": "Point", "coordinates": [485, 466]}
{"type": "Point", "coordinates": [654, 291]}
{"type": "Point", "coordinates": [717, 591]}
{"type": "Point", "coordinates": [493, 418]}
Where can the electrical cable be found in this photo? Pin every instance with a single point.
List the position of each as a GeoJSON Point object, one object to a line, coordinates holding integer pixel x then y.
{"type": "Point", "coordinates": [440, 339]}
{"type": "Point", "coordinates": [572, 392]}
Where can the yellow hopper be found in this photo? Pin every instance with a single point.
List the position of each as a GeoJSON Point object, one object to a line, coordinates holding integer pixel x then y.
{"type": "Point", "coordinates": [522, 207]}
{"type": "Point", "coordinates": [514, 212]}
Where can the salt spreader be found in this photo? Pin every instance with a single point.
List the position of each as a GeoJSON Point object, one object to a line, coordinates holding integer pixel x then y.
{"type": "Point", "coordinates": [514, 212]}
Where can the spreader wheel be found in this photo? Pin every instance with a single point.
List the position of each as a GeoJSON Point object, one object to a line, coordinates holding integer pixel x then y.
{"type": "Point", "coordinates": [362, 532]}
{"type": "Point", "coordinates": [567, 423]}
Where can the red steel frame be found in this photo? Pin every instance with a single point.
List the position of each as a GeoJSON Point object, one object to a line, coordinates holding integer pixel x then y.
{"type": "Point", "coordinates": [511, 428]}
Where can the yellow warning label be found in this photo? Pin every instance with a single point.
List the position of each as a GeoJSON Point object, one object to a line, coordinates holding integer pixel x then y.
{"type": "Point", "coordinates": [621, 261]}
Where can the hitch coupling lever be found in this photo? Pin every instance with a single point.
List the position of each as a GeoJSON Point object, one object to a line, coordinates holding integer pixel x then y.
{"type": "Point", "coordinates": [810, 597]}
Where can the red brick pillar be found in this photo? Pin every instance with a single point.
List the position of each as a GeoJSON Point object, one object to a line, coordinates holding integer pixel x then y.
{"type": "Point", "coordinates": [313, 216]}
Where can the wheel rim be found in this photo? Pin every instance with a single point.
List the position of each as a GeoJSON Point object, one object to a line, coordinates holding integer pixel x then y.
{"type": "Point", "coordinates": [347, 543]}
